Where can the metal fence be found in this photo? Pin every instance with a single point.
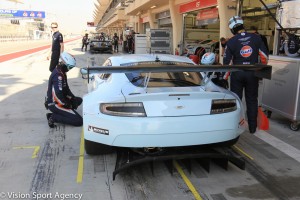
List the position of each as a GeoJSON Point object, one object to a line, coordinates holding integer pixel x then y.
{"type": "Point", "coordinates": [14, 38]}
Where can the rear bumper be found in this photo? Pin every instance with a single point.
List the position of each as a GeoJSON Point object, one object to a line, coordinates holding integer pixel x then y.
{"type": "Point", "coordinates": [161, 131]}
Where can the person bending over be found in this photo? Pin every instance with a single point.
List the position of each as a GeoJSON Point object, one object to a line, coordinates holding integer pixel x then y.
{"type": "Point", "coordinates": [60, 100]}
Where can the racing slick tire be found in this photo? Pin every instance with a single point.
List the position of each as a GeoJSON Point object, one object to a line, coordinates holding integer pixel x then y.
{"type": "Point", "coordinates": [294, 126]}
{"type": "Point", "coordinates": [94, 148]}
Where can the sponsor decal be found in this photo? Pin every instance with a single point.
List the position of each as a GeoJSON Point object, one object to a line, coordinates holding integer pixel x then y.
{"type": "Point", "coordinates": [22, 13]}
{"type": "Point", "coordinates": [246, 51]}
{"type": "Point", "coordinates": [244, 39]}
{"type": "Point", "coordinates": [98, 130]}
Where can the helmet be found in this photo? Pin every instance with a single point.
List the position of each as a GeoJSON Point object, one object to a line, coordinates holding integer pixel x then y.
{"type": "Point", "coordinates": [235, 21]}
{"type": "Point", "coordinates": [68, 60]}
{"type": "Point", "coordinates": [208, 58]}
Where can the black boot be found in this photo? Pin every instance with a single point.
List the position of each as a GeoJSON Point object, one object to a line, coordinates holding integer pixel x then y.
{"type": "Point", "coordinates": [252, 130]}
{"type": "Point", "coordinates": [50, 120]}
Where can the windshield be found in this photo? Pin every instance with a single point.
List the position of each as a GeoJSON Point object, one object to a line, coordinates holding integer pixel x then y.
{"type": "Point", "coordinates": [166, 79]}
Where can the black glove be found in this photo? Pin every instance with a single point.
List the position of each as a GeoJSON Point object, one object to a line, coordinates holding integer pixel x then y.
{"type": "Point", "coordinates": [67, 105]}
{"type": "Point", "coordinates": [46, 103]}
{"type": "Point", "coordinates": [74, 104]}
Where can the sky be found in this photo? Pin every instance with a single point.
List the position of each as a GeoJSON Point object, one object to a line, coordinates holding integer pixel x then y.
{"type": "Point", "coordinates": [71, 15]}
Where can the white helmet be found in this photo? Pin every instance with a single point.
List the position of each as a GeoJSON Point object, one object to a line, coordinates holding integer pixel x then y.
{"type": "Point", "coordinates": [208, 58]}
{"type": "Point", "coordinates": [234, 21]}
{"type": "Point", "coordinates": [68, 60]}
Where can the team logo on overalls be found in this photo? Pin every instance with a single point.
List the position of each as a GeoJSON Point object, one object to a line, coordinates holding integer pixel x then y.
{"type": "Point", "coordinates": [246, 51]}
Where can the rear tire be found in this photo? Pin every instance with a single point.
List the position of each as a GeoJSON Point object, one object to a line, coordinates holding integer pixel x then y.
{"type": "Point", "coordinates": [294, 126]}
{"type": "Point", "coordinates": [94, 148]}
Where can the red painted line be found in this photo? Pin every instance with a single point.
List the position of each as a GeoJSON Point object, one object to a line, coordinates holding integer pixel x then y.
{"type": "Point", "coordinates": [11, 56]}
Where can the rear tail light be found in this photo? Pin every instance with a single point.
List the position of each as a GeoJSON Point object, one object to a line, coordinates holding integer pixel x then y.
{"type": "Point", "coordinates": [219, 106]}
{"type": "Point", "coordinates": [123, 109]}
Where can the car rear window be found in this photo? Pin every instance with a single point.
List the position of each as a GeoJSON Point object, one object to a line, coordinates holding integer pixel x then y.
{"type": "Point", "coordinates": [166, 79]}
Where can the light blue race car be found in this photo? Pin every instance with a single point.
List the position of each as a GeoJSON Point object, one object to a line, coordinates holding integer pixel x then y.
{"type": "Point", "coordinates": [157, 101]}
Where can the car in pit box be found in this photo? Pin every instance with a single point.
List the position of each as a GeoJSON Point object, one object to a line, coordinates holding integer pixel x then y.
{"type": "Point", "coordinates": [146, 101]}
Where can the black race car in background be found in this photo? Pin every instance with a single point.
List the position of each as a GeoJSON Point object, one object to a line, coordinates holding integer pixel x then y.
{"type": "Point", "coordinates": [100, 43]}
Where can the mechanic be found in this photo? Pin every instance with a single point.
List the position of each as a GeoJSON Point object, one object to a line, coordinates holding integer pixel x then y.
{"type": "Point", "coordinates": [223, 44]}
{"type": "Point", "coordinates": [130, 42]}
{"type": "Point", "coordinates": [216, 77]}
{"type": "Point", "coordinates": [116, 42]}
{"type": "Point", "coordinates": [102, 37]}
{"type": "Point", "coordinates": [245, 49]}
{"type": "Point", "coordinates": [85, 41]}
{"type": "Point", "coordinates": [60, 100]}
{"type": "Point", "coordinates": [57, 46]}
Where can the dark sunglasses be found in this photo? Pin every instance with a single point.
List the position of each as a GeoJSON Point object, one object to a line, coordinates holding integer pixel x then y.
{"type": "Point", "coordinates": [54, 27]}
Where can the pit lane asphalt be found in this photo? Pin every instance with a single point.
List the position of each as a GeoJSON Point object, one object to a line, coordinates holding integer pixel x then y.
{"type": "Point", "coordinates": [37, 160]}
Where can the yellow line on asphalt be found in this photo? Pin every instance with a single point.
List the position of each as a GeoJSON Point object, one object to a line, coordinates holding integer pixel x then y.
{"type": "Point", "coordinates": [81, 159]}
{"type": "Point", "coordinates": [243, 152]}
{"type": "Point", "coordinates": [187, 181]}
{"type": "Point", "coordinates": [35, 152]}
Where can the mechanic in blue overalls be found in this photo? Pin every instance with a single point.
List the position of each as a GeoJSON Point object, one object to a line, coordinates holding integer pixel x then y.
{"type": "Point", "coordinates": [245, 49]}
{"type": "Point", "coordinates": [60, 100]}
{"type": "Point", "coordinates": [56, 48]}
{"type": "Point", "coordinates": [209, 58]}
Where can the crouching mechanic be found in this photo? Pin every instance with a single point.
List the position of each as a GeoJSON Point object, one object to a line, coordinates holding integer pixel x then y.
{"type": "Point", "coordinates": [60, 100]}
{"type": "Point", "coordinates": [216, 77]}
{"type": "Point", "coordinates": [245, 49]}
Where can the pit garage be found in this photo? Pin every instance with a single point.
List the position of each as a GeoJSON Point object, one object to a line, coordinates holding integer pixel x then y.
{"type": "Point", "coordinates": [201, 29]}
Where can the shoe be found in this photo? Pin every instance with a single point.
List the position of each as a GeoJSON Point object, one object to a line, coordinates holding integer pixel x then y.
{"type": "Point", "coordinates": [50, 120]}
{"type": "Point", "coordinates": [252, 130]}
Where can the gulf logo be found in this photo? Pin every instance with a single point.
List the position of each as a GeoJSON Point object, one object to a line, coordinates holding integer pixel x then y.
{"type": "Point", "coordinates": [246, 51]}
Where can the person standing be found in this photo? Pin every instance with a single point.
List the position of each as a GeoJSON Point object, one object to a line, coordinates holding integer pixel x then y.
{"type": "Point", "coordinates": [245, 49]}
{"type": "Point", "coordinates": [116, 42]}
{"type": "Point", "coordinates": [57, 46]}
{"type": "Point", "coordinates": [223, 44]}
{"type": "Point", "coordinates": [85, 42]}
{"type": "Point", "coordinates": [60, 100]}
{"type": "Point", "coordinates": [130, 42]}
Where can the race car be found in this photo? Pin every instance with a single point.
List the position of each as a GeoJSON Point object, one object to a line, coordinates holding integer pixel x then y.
{"type": "Point", "coordinates": [100, 43]}
{"type": "Point", "coordinates": [146, 101]}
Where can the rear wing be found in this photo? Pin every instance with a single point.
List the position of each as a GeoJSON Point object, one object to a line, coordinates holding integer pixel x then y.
{"type": "Point", "coordinates": [261, 71]}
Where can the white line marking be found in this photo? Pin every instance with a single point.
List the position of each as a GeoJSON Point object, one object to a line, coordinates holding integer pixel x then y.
{"type": "Point", "coordinates": [278, 144]}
